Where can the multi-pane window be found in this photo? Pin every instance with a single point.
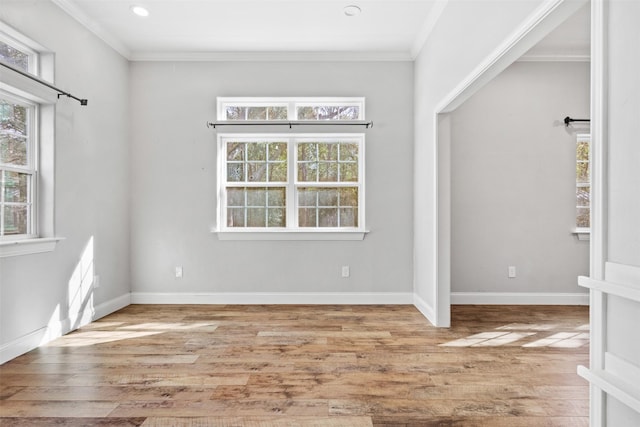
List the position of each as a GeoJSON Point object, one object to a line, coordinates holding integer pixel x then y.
{"type": "Point", "coordinates": [284, 182]}
{"type": "Point", "coordinates": [583, 181]}
{"type": "Point", "coordinates": [303, 109]}
{"type": "Point", "coordinates": [292, 181]}
{"type": "Point", "coordinates": [17, 166]}
{"type": "Point", "coordinates": [17, 55]}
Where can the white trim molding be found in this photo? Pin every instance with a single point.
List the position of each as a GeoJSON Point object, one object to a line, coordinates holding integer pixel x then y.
{"type": "Point", "coordinates": [257, 298]}
{"type": "Point", "coordinates": [28, 246]}
{"type": "Point", "coordinates": [425, 309]}
{"type": "Point", "coordinates": [519, 298]}
{"type": "Point", "coordinates": [57, 328]}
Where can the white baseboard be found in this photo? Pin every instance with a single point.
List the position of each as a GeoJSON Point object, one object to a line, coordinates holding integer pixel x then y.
{"type": "Point", "coordinates": [424, 308]}
{"type": "Point", "coordinates": [519, 298]}
{"type": "Point", "coordinates": [112, 306]}
{"type": "Point", "coordinates": [355, 298]}
{"type": "Point", "coordinates": [57, 328]}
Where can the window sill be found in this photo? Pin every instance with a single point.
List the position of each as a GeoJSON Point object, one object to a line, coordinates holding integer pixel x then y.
{"type": "Point", "coordinates": [290, 235]}
{"type": "Point", "coordinates": [582, 233]}
{"type": "Point", "coordinates": [28, 246]}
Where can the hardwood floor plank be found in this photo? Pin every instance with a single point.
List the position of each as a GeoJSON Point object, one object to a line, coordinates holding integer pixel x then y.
{"type": "Point", "coordinates": [260, 422]}
{"type": "Point", "coordinates": [302, 365]}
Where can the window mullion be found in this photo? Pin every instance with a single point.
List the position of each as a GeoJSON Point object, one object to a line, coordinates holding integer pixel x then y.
{"type": "Point", "coordinates": [292, 179]}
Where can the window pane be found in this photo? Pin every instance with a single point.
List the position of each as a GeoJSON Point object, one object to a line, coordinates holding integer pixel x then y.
{"type": "Point", "coordinates": [328, 172]}
{"type": "Point", "coordinates": [235, 151]}
{"type": "Point", "coordinates": [277, 151]}
{"type": "Point", "coordinates": [582, 171]}
{"type": "Point", "coordinates": [15, 220]}
{"type": "Point", "coordinates": [236, 113]}
{"type": "Point", "coordinates": [349, 196]}
{"type": "Point", "coordinates": [327, 196]}
{"type": "Point", "coordinates": [276, 217]}
{"type": "Point", "coordinates": [256, 196]}
{"type": "Point", "coordinates": [327, 112]}
{"type": "Point", "coordinates": [256, 217]}
{"type": "Point", "coordinates": [583, 196]}
{"type": "Point", "coordinates": [235, 217]}
{"type": "Point", "coordinates": [348, 172]}
{"type": "Point", "coordinates": [328, 151]}
{"type": "Point", "coordinates": [307, 172]}
{"type": "Point", "coordinates": [235, 172]}
{"type": "Point", "coordinates": [307, 217]}
{"type": "Point", "coordinates": [256, 172]}
{"type": "Point", "coordinates": [13, 133]}
{"type": "Point", "coordinates": [328, 207]}
{"type": "Point", "coordinates": [276, 197]}
{"type": "Point", "coordinates": [349, 152]}
{"type": "Point", "coordinates": [328, 217]}
{"type": "Point", "coordinates": [265, 207]}
{"type": "Point", "coordinates": [14, 57]}
{"type": "Point", "coordinates": [582, 217]}
{"type": "Point", "coordinates": [307, 152]}
{"type": "Point", "coordinates": [277, 113]}
{"type": "Point", "coordinates": [235, 197]}
{"type": "Point", "coordinates": [582, 151]}
{"type": "Point", "coordinates": [13, 150]}
{"type": "Point", "coordinates": [15, 187]}
{"type": "Point", "coordinates": [256, 151]}
{"type": "Point", "coordinates": [277, 172]}
{"type": "Point", "coordinates": [348, 217]}
{"type": "Point", "coordinates": [257, 113]}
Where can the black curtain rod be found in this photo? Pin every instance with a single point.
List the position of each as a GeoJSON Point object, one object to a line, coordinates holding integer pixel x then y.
{"type": "Point", "coordinates": [291, 123]}
{"type": "Point", "coordinates": [568, 120]}
{"type": "Point", "coordinates": [42, 82]}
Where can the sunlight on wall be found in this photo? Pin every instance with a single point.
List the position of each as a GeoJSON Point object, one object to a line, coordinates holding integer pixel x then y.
{"type": "Point", "coordinates": [81, 289]}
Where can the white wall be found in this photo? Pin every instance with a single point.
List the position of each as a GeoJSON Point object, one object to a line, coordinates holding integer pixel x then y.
{"type": "Point", "coordinates": [513, 182]}
{"type": "Point", "coordinates": [174, 181]}
{"type": "Point", "coordinates": [466, 33]}
{"type": "Point", "coordinates": [91, 179]}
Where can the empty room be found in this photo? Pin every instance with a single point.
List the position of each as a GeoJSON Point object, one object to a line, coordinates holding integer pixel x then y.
{"type": "Point", "coordinates": [319, 213]}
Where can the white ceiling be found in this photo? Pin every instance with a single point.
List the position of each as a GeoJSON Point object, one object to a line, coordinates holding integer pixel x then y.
{"type": "Point", "coordinates": [191, 28]}
{"type": "Point", "coordinates": [300, 29]}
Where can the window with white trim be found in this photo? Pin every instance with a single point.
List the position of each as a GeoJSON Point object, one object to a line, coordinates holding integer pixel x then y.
{"type": "Point", "coordinates": [17, 166]}
{"type": "Point", "coordinates": [583, 181]}
{"type": "Point", "coordinates": [307, 109]}
{"type": "Point", "coordinates": [18, 148]}
{"type": "Point", "coordinates": [304, 182]}
{"type": "Point", "coordinates": [291, 182]}
{"type": "Point", "coordinates": [27, 118]}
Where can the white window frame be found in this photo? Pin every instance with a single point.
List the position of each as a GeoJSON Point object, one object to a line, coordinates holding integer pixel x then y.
{"type": "Point", "coordinates": [291, 103]}
{"type": "Point", "coordinates": [583, 233]}
{"type": "Point", "coordinates": [31, 169]}
{"type": "Point", "coordinates": [42, 236]}
{"type": "Point", "coordinates": [34, 57]}
{"type": "Point", "coordinates": [292, 231]}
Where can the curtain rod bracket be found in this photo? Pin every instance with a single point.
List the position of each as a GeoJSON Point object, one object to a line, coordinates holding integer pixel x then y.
{"type": "Point", "coordinates": [568, 120]}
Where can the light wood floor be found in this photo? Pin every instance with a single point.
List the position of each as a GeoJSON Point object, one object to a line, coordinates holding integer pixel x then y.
{"type": "Point", "coordinates": [306, 366]}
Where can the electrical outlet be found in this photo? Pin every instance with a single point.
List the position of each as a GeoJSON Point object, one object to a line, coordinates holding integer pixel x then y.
{"type": "Point", "coordinates": [179, 272]}
{"type": "Point", "coordinates": [345, 271]}
{"type": "Point", "coordinates": [96, 281]}
{"type": "Point", "coordinates": [512, 271]}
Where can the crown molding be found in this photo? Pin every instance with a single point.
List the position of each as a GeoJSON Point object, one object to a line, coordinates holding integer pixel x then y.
{"type": "Point", "coordinates": [76, 13]}
{"type": "Point", "coordinates": [558, 57]}
{"type": "Point", "coordinates": [274, 56]}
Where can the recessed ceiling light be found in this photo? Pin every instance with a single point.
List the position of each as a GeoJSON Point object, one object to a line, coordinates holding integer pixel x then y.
{"type": "Point", "coordinates": [140, 11]}
{"type": "Point", "coordinates": [352, 10]}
